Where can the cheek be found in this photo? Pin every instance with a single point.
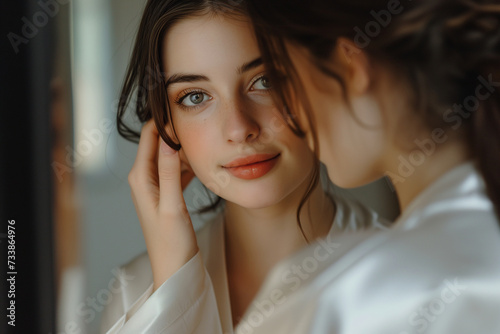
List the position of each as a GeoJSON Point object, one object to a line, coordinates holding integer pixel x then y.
{"type": "Point", "coordinates": [350, 149]}
{"type": "Point", "coordinates": [197, 144]}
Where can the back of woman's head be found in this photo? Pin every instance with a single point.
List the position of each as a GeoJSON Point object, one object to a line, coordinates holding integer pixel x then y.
{"type": "Point", "coordinates": [447, 51]}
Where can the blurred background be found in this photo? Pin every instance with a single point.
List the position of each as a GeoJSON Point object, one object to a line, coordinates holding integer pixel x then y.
{"type": "Point", "coordinates": [63, 166]}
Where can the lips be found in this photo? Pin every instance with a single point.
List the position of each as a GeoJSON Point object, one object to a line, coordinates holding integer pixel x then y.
{"type": "Point", "coordinates": [252, 167]}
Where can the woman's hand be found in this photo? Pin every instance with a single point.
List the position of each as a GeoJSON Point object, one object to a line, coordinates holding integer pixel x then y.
{"type": "Point", "coordinates": [155, 180]}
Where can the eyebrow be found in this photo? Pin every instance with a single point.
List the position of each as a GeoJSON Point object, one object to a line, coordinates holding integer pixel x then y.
{"type": "Point", "coordinates": [181, 77]}
{"type": "Point", "coordinates": [177, 78]}
{"type": "Point", "coordinates": [250, 65]}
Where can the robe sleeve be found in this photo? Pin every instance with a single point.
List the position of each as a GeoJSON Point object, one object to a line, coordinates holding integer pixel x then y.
{"type": "Point", "coordinates": [185, 303]}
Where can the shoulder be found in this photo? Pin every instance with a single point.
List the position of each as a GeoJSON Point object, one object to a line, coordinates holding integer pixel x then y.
{"type": "Point", "coordinates": [427, 278]}
{"type": "Point", "coordinates": [463, 244]}
{"type": "Point", "coordinates": [446, 258]}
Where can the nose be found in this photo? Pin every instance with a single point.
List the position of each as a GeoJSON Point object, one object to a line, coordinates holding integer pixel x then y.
{"type": "Point", "coordinates": [240, 125]}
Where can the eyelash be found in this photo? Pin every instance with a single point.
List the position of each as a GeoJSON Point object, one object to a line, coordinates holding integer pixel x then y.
{"type": "Point", "coordinates": [187, 92]}
{"type": "Point", "coordinates": [260, 76]}
{"type": "Point", "coordinates": [184, 94]}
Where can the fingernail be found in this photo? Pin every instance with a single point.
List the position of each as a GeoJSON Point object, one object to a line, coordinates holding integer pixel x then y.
{"type": "Point", "coordinates": [165, 149]}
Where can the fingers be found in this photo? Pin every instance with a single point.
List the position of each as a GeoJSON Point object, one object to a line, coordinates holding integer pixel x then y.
{"type": "Point", "coordinates": [156, 178]}
{"type": "Point", "coordinates": [148, 146]}
{"type": "Point", "coordinates": [142, 175]}
{"type": "Point", "coordinates": [171, 201]}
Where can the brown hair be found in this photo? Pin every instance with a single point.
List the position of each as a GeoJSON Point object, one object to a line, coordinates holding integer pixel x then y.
{"type": "Point", "coordinates": [144, 80]}
{"type": "Point", "coordinates": [443, 48]}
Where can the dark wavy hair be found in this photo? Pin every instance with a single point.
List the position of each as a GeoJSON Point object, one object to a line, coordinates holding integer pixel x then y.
{"type": "Point", "coordinates": [144, 89]}
{"type": "Point", "coordinates": [442, 48]}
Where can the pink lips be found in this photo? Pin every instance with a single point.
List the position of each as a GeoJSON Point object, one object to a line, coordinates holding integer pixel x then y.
{"type": "Point", "coordinates": [253, 166]}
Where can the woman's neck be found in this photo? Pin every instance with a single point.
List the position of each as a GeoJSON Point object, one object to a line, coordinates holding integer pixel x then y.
{"type": "Point", "coordinates": [410, 180]}
{"type": "Point", "coordinates": [256, 239]}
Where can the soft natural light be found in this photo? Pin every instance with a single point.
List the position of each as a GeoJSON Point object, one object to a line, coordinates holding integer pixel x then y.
{"type": "Point", "coordinates": [92, 84]}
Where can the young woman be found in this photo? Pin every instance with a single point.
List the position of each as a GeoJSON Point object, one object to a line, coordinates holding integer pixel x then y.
{"type": "Point", "coordinates": [407, 89]}
{"type": "Point", "coordinates": [205, 99]}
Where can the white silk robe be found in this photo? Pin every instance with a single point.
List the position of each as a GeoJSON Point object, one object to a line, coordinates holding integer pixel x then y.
{"type": "Point", "coordinates": [436, 271]}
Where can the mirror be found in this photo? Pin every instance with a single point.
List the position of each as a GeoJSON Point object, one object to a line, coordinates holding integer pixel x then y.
{"type": "Point", "coordinates": [94, 223]}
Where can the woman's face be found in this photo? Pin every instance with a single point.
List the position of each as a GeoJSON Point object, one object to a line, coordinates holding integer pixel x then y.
{"type": "Point", "coordinates": [233, 138]}
{"type": "Point", "coordinates": [351, 137]}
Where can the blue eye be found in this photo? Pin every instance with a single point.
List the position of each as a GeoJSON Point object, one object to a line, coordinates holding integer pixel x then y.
{"type": "Point", "coordinates": [262, 83]}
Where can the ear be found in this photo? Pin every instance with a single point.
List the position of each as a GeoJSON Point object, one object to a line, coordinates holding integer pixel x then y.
{"type": "Point", "coordinates": [356, 66]}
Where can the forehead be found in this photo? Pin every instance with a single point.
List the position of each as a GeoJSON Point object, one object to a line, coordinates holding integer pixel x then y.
{"type": "Point", "coordinates": [208, 43]}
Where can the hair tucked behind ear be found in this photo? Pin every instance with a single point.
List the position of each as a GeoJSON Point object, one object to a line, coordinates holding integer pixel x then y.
{"type": "Point", "coordinates": [144, 87]}
{"type": "Point", "coordinates": [444, 49]}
